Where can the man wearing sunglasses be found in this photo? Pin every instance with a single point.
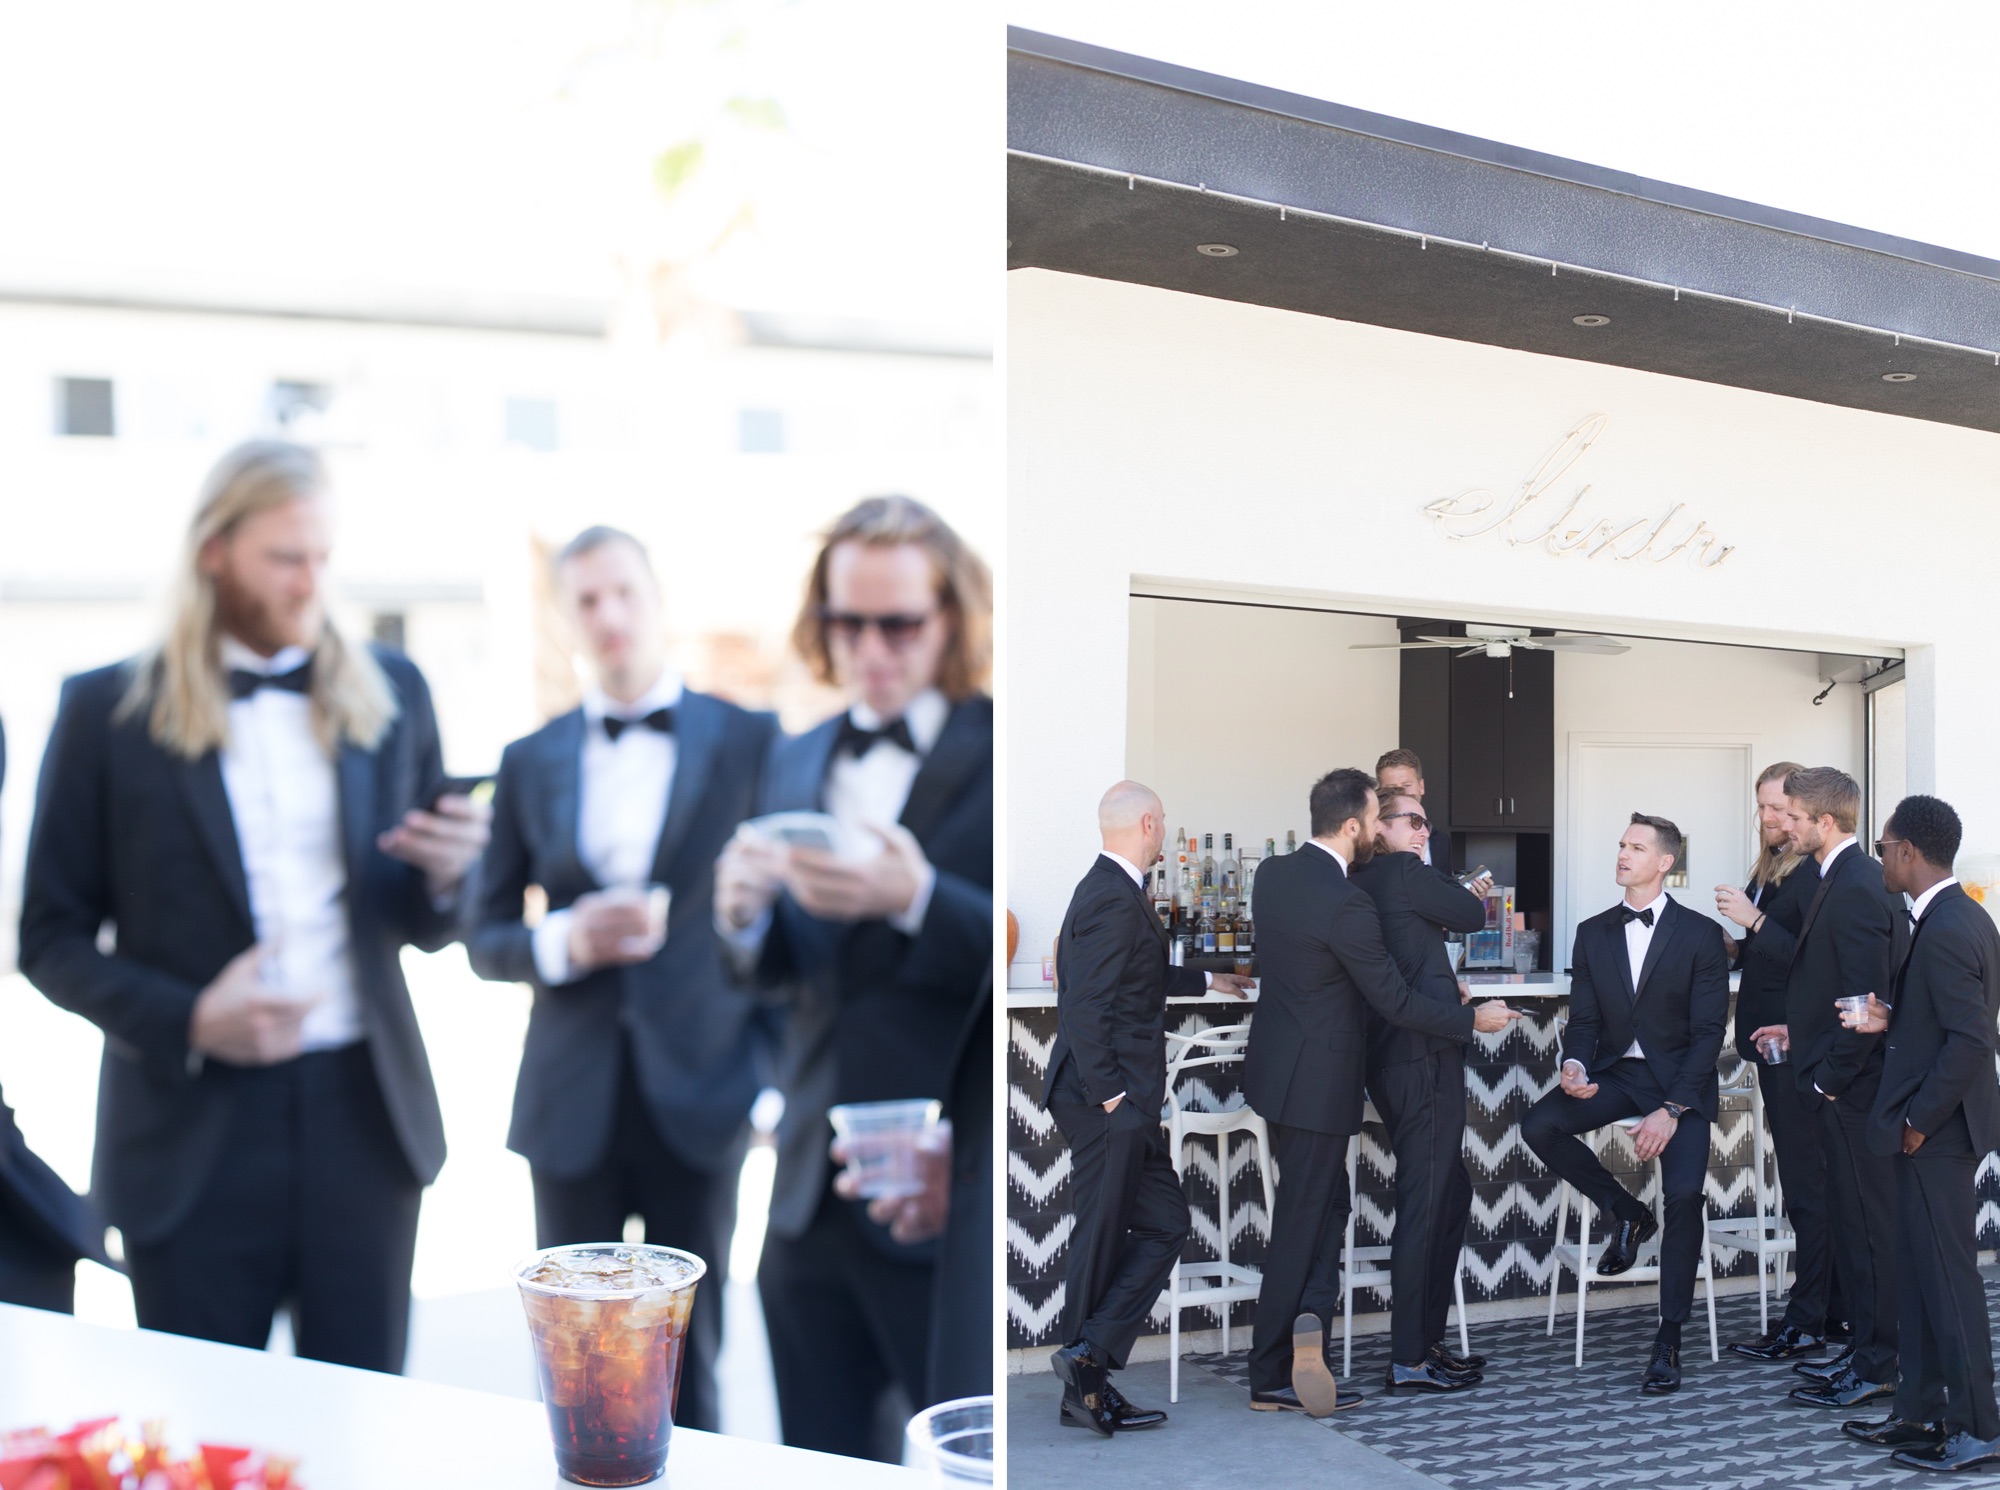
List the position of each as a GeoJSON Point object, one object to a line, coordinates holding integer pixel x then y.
{"type": "Point", "coordinates": [879, 960]}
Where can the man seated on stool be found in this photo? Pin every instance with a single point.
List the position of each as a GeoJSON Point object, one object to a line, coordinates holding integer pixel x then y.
{"type": "Point", "coordinates": [1649, 996]}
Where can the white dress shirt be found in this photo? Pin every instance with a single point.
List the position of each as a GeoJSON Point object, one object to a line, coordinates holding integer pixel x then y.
{"type": "Point", "coordinates": [623, 788]}
{"type": "Point", "coordinates": [284, 796]}
{"type": "Point", "coordinates": [875, 788]}
{"type": "Point", "coordinates": [1639, 937]}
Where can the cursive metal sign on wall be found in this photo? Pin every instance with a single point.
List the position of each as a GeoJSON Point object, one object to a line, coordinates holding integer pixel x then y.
{"type": "Point", "coordinates": [1538, 515]}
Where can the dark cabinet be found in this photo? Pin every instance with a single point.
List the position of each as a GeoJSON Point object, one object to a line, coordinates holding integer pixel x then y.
{"type": "Point", "coordinates": [1503, 741]}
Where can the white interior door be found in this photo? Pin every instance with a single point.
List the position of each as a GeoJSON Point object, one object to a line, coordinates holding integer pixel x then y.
{"type": "Point", "coordinates": [1701, 783]}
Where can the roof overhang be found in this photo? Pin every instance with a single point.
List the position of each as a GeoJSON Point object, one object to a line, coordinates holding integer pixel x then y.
{"type": "Point", "coordinates": [1120, 167]}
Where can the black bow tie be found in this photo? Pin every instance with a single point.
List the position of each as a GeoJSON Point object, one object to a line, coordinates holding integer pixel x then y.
{"type": "Point", "coordinates": [857, 742]}
{"type": "Point", "coordinates": [1644, 918]}
{"type": "Point", "coordinates": [660, 719]}
{"type": "Point", "coordinates": [243, 682]}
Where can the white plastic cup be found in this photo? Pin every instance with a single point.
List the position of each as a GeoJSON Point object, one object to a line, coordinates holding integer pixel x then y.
{"type": "Point", "coordinates": [882, 1140]}
{"type": "Point", "coordinates": [1774, 1052]}
{"type": "Point", "coordinates": [1853, 1003]}
{"type": "Point", "coordinates": [953, 1441]}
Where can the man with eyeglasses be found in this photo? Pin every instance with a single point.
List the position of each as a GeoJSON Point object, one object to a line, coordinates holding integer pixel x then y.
{"type": "Point", "coordinates": [879, 960]}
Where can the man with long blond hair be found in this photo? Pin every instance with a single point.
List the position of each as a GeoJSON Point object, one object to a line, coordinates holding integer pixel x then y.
{"type": "Point", "coordinates": [236, 835]}
{"type": "Point", "coordinates": [881, 957]}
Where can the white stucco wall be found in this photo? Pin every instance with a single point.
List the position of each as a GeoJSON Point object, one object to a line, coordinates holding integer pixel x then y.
{"type": "Point", "coordinates": [1213, 447]}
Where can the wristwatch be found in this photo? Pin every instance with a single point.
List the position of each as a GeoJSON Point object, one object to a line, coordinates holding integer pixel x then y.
{"type": "Point", "coordinates": [1674, 1110]}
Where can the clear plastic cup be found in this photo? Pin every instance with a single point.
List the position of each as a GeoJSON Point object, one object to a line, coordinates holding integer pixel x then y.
{"type": "Point", "coordinates": [953, 1441]}
{"type": "Point", "coordinates": [1853, 1003]}
{"type": "Point", "coordinates": [882, 1140]}
{"type": "Point", "coordinates": [1774, 1052]}
{"type": "Point", "coordinates": [609, 1321]}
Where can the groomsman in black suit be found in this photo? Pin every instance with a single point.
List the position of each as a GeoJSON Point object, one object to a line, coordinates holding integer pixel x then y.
{"type": "Point", "coordinates": [1936, 1116]}
{"type": "Point", "coordinates": [879, 961]}
{"type": "Point", "coordinates": [1322, 966]}
{"type": "Point", "coordinates": [45, 1227]}
{"type": "Point", "coordinates": [642, 1058]}
{"type": "Point", "coordinates": [1106, 1081]}
{"type": "Point", "coordinates": [1648, 1001]}
{"type": "Point", "coordinates": [255, 812]}
{"type": "Point", "coordinates": [1851, 938]}
{"type": "Point", "coordinates": [1771, 910]}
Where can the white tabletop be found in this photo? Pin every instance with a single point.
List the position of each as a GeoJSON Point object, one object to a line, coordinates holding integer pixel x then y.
{"type": "Point", "coordinates": [349, 1430]}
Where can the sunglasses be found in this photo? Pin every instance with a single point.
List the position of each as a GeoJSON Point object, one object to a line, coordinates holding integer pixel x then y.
{"type": "Point", "coordinates": [896, 631]}
{"type": "Point", "coordinates": [1417, 819]}
{"type": "Point", "coordinates": [1882, 843]}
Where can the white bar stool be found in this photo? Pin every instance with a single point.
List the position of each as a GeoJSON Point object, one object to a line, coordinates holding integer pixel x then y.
{"type": "Point", "coordinates": [1219, 1284]}
{"type": "Point", "coordinates": [1764, 1232]}
{"type": "Point", "coordinates": [1578, 1257]}
{"type": "Point", "coordinates": [1367, 1267]}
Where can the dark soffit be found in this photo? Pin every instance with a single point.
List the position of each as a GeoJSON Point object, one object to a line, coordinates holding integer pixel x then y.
{"type": "Point", "coordinates": [1119, 166]}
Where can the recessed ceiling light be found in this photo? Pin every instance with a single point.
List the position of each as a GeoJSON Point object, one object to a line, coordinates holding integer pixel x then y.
{"type": "Point", "coordinates": [1216, 250]}
{"type": "Point", "coordinates": [1899, 377]}
{"type": "Point", "coordinates": [1591, 320]}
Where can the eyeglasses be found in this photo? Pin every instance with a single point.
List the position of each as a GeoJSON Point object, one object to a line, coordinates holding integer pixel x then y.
{"type": "Point", "coordinates": [896, 631]}
{"type": "Point", "coordinates": [1882, 843]}
{"type": "Point", "coordinates": [1417, 820]}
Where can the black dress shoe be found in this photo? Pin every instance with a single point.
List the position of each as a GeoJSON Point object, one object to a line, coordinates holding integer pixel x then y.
{"type": "Point", "coordinates": [1960, 1451]}
{"type": "Point", "coordinates": [1460, 1365]}
{"type": "Point", "coordinates": [1623, 1249]}
{"type": "Point", "coordinates": [1845, 1390]}
{"type": "Point", "coordinates": [1895, 1433]}
{"type": "Point", "coordinates": [1818, 1371]}
{"type": "Point", "coordinates": [1425, 1377]}
{"type": "Point", "coordinates": [1663, 1375]}
{"type": "Point", "coordinates": [1781, 1344]}
{"type": "Point", "coordinates": [1086, 1384]}
{"type": "Point", "coordinates": [1312, 1377]}
{"type": "Point", "coordinates": [1284, 1399]}
{"type": "Point", "coordinates": [1125, 1418]}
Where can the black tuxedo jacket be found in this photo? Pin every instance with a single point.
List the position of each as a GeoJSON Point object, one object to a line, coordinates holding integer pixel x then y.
{"type": "Point", "coordinates": [132, 838]}
{"type": "Point", "coordinates": [700, 1044]}
{"type": "Point", "coordinates": [1113, 979]}
{"type": "Point", "coordinates": [1322, 965]}
{"type": "Point", "coordinates": [1937, 1059]}
{"type": "Point", "coordinates": [1853, 934]}
{"type": "Point", "coordinates": [1418, 905]}
{"type": "Point", "coordinates": [871, 1014]}
{"type": "Point", "coordinates": [1765, 956]}
{"type": "Point", "coordinates": [1677, 1013]}
{"type": "Point", "coordinates": [33, 1198]}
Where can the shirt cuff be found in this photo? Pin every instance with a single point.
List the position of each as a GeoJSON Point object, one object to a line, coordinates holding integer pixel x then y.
{"type": "Point", "coordinates": [748, 940]}
{"type": "Point", "coordinates": [1581, 1070]}
{"type": "Point", "coordinates": [910, 920]}
{"type": "Point", "coordinates": [552, 949]}
{"type": "Point", "coordinates": [1208, 980]}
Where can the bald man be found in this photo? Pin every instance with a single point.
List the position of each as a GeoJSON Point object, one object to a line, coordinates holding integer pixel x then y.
{"type": "Point", "coordinates": [1107, 1079]}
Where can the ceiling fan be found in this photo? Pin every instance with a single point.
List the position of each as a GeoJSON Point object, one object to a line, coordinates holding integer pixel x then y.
{"type": "Point", "coordinates": [1500, 641]}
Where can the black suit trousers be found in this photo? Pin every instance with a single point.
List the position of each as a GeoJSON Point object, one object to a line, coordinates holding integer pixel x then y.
{"type": "Point", "coordinates": [1626, 1089]}
{"type": "Point", "coordinates": [1422, 1103]}
{"type": "Point", "coordinates": [681, 1206]}
{"type": "Point", "coordinates": [314, 1206]}
{"type": "Point", "coordinates": [1131, 1222]}
{"type": "Point", "coordinates": [1302, 1262]}
{"type": "Point", "coordinates": [1861, 1210]}
{"type": "Point", "coordinates": [1947, 1344]}
{"type": "Point", "coordinates": [1795, 1138]}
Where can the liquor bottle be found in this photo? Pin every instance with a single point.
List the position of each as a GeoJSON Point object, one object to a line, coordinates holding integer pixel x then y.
{"type": "Point", "coordinates": [1207, 864]}
{"type": "Point", "coordinates": [1180, 858]}
{"type": "Point", "coordinates": [1228, 867]}
{"type": "Point", "coordinates": [1246, 934]}
{"type": "Point", "coordinates": [1163, 900]}
{"type": "Point", "coordinates": [1225, 930]}
{"type": "Point", "coordinates": [1291, 841]}
{"type": "Point", "coordinates": [1207, 939]}
{"type": "Point", "coordinates": [1184, 894]}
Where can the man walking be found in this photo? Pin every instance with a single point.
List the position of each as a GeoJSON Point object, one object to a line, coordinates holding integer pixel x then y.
{"type": "Point", "coordinates": [642, 1059]}
{"type": "Point", "coordinates": [1648, 1000]}
{"type": "Point", "coordinates": [1936, 1115]}
{"type": "Point", "coordinates": [1106, 1081]}
{"type": "Point", "coordinates": [254, 812]}
{"type": "Point", "coordinates": [1323, 966]}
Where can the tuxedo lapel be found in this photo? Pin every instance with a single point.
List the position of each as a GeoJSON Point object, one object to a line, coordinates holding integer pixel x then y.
{"type": "Point", "coordinates": [1145, 905]}
{"type": "Point", "coordinates": [1656, 947]}
{"type": "Point", "coordinates": [562, 764]}
{"type": "Point", "coordinates": [355, 771]}
{"type": "Point", "coordinates": [1621, 958]}
{"type": "Point", "coordinates": [201, 784]}
{"type": "Point", "coordinates": [698, 725]}
{"type": "Point", "coordinates": [964, 747]}
{"type": "Point", "coordinates": [805, 788]}
{"type": "Point", "coordinates": [1812, 911]}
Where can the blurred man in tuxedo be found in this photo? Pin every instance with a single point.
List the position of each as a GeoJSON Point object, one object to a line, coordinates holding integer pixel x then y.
{"type": "Point", "coordinates": [45, 1227]}
{"type": "Point", "coordinates": [1648, 1001]}
{"type": "Point", "coordinates": [1322, 967]}
{"type": "Point", "coordinates": [254, 810]}
{"type": "Point", "coordinates": [879, 960]}
{"type": "Point", "coordinates": [1936, 1115]}
{"type": "Point", "coordinates": [642, 1058]}
{"type": "Point", "coordinates": [1106, 1081]}
{"type": "Point", "coordinates": [1851, 938]}
{"type": "Point", "coordinates": [1770, 911]}
{"type": "Point", "coordinates": [1418, 1083]}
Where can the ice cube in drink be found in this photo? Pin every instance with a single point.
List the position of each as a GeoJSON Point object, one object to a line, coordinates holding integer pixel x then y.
{"type": "Point", "coordinates": [609, 1322]}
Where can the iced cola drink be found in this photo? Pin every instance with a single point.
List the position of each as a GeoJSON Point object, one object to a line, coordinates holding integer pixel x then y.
{"type": "Point", "coordinates": [610, 1320]}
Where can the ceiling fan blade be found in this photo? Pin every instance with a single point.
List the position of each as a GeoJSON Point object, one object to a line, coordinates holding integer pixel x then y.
{"type": "Point", "coordinates": [1456, 641]}
{"type": "Point", "coordinates": [1603, 646]}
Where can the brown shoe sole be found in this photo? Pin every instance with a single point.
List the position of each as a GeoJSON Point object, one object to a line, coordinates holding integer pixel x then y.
{"type": "Point", "coordinates": [1310, 1377]}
